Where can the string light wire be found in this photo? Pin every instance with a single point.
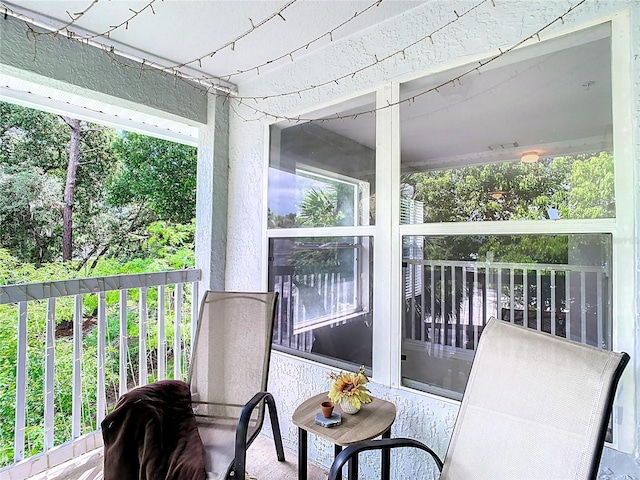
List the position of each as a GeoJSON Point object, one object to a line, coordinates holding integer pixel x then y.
{"type": "Point", "coordinates": [370, 65]}
{"type": "Point", "coordinates": [175, 70]}
{"type": "Point", "coordinates": [476, 69]}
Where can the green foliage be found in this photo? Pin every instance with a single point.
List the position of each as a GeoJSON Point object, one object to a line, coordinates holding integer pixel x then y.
{"type": "Point", "coordinates": [158, 172]}
{"type": "Point", "coordinates": [33, 164]}
{"type": "Point", "coordinates": [147, 225]}
{"type": "Point", "coordinates": [567, 187]}
{"type": "Point", "coordinates": [12, 271]}
{"type": "Point", "coordinates": [319, 208]}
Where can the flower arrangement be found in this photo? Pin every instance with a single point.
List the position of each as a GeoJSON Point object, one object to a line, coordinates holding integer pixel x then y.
{"type": "Point", "coordinates": [349, 388]}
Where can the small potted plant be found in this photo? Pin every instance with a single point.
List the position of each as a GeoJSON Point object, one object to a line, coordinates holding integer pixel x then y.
{"type": "Point", "coordinates": [348, 390]}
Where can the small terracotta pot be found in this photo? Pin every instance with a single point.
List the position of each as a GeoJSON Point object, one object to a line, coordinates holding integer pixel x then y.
{"type": "Point", "coordinates": [327, 409]}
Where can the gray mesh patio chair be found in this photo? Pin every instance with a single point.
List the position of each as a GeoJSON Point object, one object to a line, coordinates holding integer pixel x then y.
{"type": "Point", "coordinates": [536, 406]}
{"type": "Point", "coordinates": [228, 378]}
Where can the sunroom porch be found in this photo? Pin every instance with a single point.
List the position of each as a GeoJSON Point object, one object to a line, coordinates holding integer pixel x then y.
{"type": "Point", "coordinates": [402, 300]}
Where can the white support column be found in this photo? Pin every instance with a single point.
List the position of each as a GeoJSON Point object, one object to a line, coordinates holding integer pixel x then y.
{"type": "Point", "coordinates": [212, 195]}
{"type": "Point", "coordinates": [387, 244]}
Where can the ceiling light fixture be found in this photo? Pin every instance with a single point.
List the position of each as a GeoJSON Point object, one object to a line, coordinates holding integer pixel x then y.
{"type": "Point", "coordinates": [529, 157]}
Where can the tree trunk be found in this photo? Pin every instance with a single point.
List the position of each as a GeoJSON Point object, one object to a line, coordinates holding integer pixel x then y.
{"type": "Point", "coordinates": [69, 189]}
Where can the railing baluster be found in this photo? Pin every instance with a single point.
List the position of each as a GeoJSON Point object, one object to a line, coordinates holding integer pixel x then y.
{"type": "Point", "coordinates": [499, 294]}
{"type": "Point", "coordinates": [142, 338]}
{"type": "Point", "coordinates": [21, 383]}
{"type": "Point", "coordinates": [512, 296]}
{"type": "Point", "coordinates": [177, 340]}
{"type": "Point", "coordinates": [554, 313]}
{"type": "Point", "coordinates": [433, 307]}
{"type": "Point", "coordinates": [443, 308]}
{"type": "Point", "coordinates": [600, 314]}
{"type": "Point", "coordinates": [567, 296]}
{"type": "Point", "coordinates": [412, 301]}
{"type": "Point", "coordinates": [583, 308]}
{"type": "Point", "coordinates": [454, 309]}
{"type": "Point", "coordinates": [423, 334]}
{"type": "Point", "coordinates": [539, 308]}
{"type": "Point", "coordinates": [162, 339]}
{"type": "Point", "coordinates": [525, 298]}
{"type": "Point", "coordinates": [101, 397]}
{"type": "Point", "coordinates": [76, 404]}
{"type": "Point", "coordinates": [194, 314]}
{"type": "Point", "coordinates": [49, 366]}
{"type": "Point", "coordinates": [124, 343]}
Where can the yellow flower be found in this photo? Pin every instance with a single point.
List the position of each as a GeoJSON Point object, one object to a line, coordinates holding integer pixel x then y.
{"type": "Point", "coordinates": [350, 385]}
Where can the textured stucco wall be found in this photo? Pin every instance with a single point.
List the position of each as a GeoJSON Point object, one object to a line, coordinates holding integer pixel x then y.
{"type": "Point", "coordinates": [69, 66]}
{"type": "Point", "coordinates": [419, 416]}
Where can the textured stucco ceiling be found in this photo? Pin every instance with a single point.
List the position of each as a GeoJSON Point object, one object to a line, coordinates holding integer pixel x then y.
{"type": "Point", "coordinates": [247, 36]}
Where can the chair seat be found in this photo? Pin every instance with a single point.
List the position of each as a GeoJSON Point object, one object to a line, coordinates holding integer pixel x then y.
{"type": "Point", "coordinates": [218, 437]}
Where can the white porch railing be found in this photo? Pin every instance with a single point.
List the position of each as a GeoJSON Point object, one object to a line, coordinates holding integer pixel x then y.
{"type": "Point", "coordinates": [160, 342]}
{"type": "Point", "coordinates": [447, 303]}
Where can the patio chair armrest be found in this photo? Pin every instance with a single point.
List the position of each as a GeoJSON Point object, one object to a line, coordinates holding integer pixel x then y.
{"type": "Point", "coordinates": [353, 450]}
{"type": "Point", "coordinates": [242, 429]}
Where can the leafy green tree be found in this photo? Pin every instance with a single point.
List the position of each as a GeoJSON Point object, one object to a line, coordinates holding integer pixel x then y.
{"type": "Point", "coordinates": [562, 187]}
{"type": "Point", "coordinates": [37, 183]}
{"type": "Point", "coordinates": [158, 173]}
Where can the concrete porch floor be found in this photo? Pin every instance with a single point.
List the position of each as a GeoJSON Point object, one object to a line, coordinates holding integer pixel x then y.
{"type": "Point", "coordinates": [262, 464]}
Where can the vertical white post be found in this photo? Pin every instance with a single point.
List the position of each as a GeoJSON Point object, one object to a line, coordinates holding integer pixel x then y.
{"type": "Point", "coordinates": [124, 342]}
{"type": "Point", "coordinates": [195, 307]}
{"type": "Point", "coordinates": [76, 405]}
{"type": "Point", "coordinates": [142, 338]}
{"type": "Point", "coordinates": [49, 371]}
{"type": "Point", "coordinates": [101, 397]}
{"type": "Point", "coordinates": [162, 339]}
{"type": "Point", "coordinates": [21, 383]}
{"type": "Point", "coordinates": [177, 346]}
{"type": "Point", "coordinates": [387, 245]}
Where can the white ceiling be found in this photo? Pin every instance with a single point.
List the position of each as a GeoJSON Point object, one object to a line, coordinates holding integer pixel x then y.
{"type": "Point", "coordinates": [469, 121]}
{"type": "Point", "coordinates": [248, 36]}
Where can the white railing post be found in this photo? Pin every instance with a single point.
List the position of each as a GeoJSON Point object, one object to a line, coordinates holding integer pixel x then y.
{"type": "Point", "coordinates": [162, 339]}
{"type": "Point", "coordinates": [177, 346]}
{"type": "Point", "coordinates": [49, 365]}
{"type": "Point", "coordinates": [195, 306]}
{"type": "Point", "coordinates": [21, 383]}
{"type": "Point", "coordinates": [142, 338]}
{"type": "Point", "coordinates": [124, 343]}
{"type": "Point", "coordinates": [101, 397]}
{"type": "Point", "coordinates": [76, 403]}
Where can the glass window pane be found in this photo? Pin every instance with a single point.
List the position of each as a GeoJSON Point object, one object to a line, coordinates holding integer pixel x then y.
{"type": "Point", "coordinates": [322, 173]}
{"type": "Point", "coordinates": [527, 136]}
{"type": "Point", "coordinates": [559, 284]}
{"type": "Point", "coordinates": [325, 287]}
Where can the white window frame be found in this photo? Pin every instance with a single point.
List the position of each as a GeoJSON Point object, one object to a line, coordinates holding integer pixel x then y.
{"type": "Point", "coordinates": [387, 232]}
{"type": "Point", "coordinates": [620, 228]}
